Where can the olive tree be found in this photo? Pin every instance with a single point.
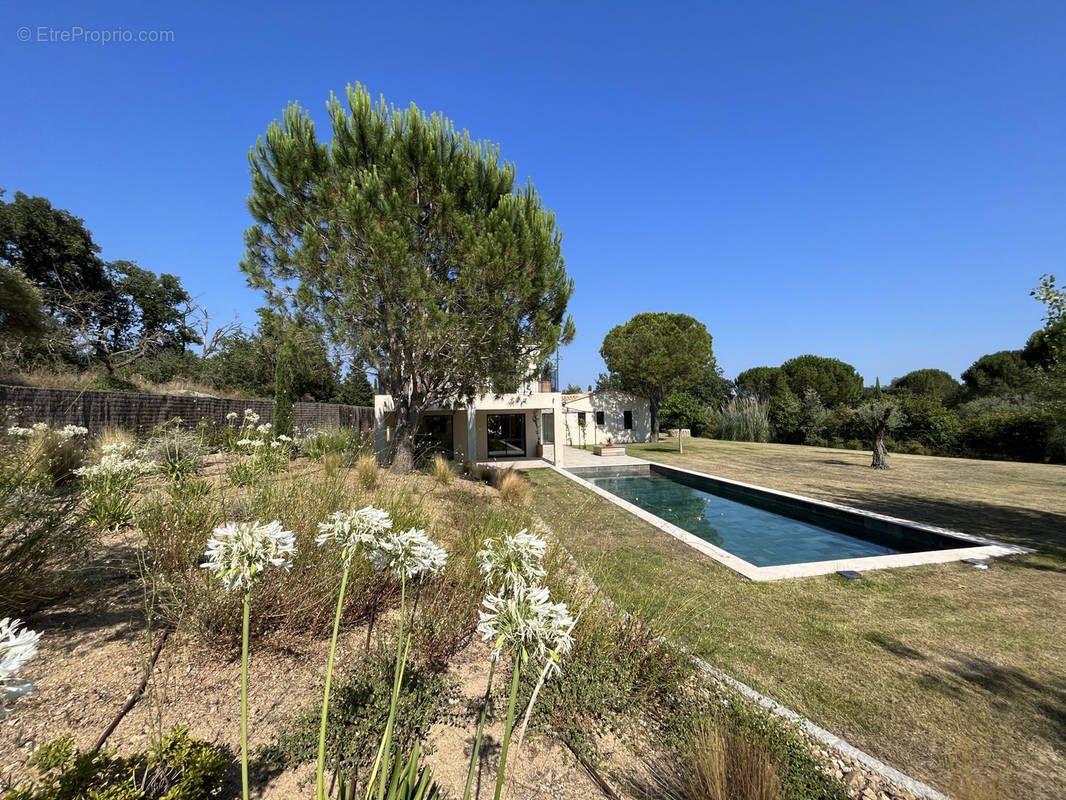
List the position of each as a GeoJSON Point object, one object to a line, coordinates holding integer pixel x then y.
{"type": "Point", "coordinates": [409, 244]}
{"type": "Point", "coordinates": [879, 418]}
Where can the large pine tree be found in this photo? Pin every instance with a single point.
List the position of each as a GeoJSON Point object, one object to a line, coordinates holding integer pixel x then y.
{"type": "Point", "coordinates": [409, 242]}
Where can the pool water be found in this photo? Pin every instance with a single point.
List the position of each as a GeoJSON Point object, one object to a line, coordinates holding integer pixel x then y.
{"type": "Point", "coordinates": [758, 536]}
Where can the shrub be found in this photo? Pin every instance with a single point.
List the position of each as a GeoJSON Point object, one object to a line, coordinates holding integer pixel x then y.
{"type": "Point", "coordinates": [359, 710]}
{"type": "Point", "coordinates": [442, 470]}
{"type": "Point", "coordinates": [40, 540]}
{"type": "Point", "coordinates": [744, 419]}
{"type": "Point", "coordinates": [177, 768]}
{"type": "Point", "coordinates": [347, 442]}
{"type": "Point", "coordinates": [470, 469]}
{"type": "Point", "coordinates": [366, 472]}
{"type": "Point", "coordinates": [486, 473]}
{"type": "Point", "coordinates": [178, 453]}
{"type": "Point", "coordinates": [853, 444]}
{"type": "Point", "coordinates": [1022, 435]}
{"type": "Point", "coordinates": [50, 454]}
{"type": "Point", "coordinates": [513, 487]}
{"type": "Point", "coordinates": [109, 495]}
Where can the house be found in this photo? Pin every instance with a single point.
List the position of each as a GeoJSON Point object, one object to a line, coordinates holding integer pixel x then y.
{"type": "Point", "coordinates": [594, 417]}
{"type": "Point", "coordinates": [525, 424]}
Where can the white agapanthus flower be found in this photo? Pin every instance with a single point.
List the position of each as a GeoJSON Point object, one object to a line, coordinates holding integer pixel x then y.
{"type": "Point", "coordinates": [283, 438]}
{"type": "Point", "coordinates": [231, 416]}
{"type": "Point", "coordinates": [118, 459]}
{"type": "Point", "coordinates": [250, 417]}
{"type": "Point", "coordinates": [527, 618]}
{"type": "Point", "coordinates": [70, 431]}
{"type": "Point", "coordinates": [406, 554]}
{"type": "Point", "coordinates": [249, 442]}
{"type": "Point", "coordinates": [40, 427]}
{"type": "Point", "coordinates": [239, 551]}
{"type": "Point", "coordinates": [17, 431]}
{"type": "Point", "coordinates": [264, 428]}
{"type": "Point", "coordinates": [514, 559]}
{"type": "Point", "coordinates": [16, 648]}
{"type": "Point", "coordinates": [354, 530]}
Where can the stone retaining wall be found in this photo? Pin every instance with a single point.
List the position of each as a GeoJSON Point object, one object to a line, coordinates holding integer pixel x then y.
{"type": "Point", "coordinates": [140, 412]}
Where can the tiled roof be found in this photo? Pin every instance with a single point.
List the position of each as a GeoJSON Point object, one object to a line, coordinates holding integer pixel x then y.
{"type": "Point", "coordinates": [569, 398]}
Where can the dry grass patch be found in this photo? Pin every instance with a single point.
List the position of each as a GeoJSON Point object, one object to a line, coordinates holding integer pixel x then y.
{"type": "Point", "coordinates": [442, 470]}
{"type": "Point", "coordinates": [366, 472]}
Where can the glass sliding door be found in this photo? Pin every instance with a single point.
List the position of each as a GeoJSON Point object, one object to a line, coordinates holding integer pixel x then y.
{"type": "Point", "coordinates": [507, 435]}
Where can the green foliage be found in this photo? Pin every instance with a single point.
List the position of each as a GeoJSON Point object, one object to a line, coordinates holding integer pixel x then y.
{"type": "Point", "coordinates": [355, 389]}
{"type": "Point", "coordinates": [618, 667]}
{"type": "Point", "coordinates": [682, 410]}
{"type": "Point", "coordinates": [1046, 347]}
{"type": "Point", "coordinates": [1026, 434]}
{"type": "Point", "coordinates": [178, 452]}
{"type": "Point", "coordinates": [744, 419]}
{"type": "Point", "coordinates": [346, 442]}
{"type": "Point", "coordinates": [788, 750]}
{"type": "Point", "coordinates": [21, 314]}
{"type": "Point", "coordinates": [40, 540]}
{"type": "Point", "coordinates": [656, 353]}
{"type": "Point", "coordinates": [468, 293]}
{"type": "Point", "coordinates": [765, 383]}
{"type": "Point", "coordinates": [1002, 373]}
{"type": "Point", "coordinates": [933, 383]}
{"type": "Point", "coordinates": [928, 422]}
{"type": "Point", "coordinates": [835, 382]}
{"type": "Point", "coordinates": [177, 768]}
{"type": "Point", "coordinates": [359, 710]}
{"type": "Point", "coordinates": [812, 417]}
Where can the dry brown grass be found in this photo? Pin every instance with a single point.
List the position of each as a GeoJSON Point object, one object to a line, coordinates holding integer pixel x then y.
{"type": "Point", "coordinates": [112, 434]}
{"type": "Point", "coordinates": [442, 470]}
{"type": "Point", "coordinates": [470, 469]}
{"type": "Point", "coordinates": [924, 667]}
{"type": "Point", "coordinates": [722, 764]}
{"type": "Point", "coordinates": [513, 487]}
{"type": "Point", "coordinates": [54, 379]}
{"type": "Point", "coordinates": [367, 472]}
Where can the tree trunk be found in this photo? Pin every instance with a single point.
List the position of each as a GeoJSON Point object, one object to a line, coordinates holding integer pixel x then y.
{"type": "Point", "coordinates": [406, 420]}
{"type": "Point", "coordinates": [880, 451]}
{"type": "Point", "coordinates": [653, 408]}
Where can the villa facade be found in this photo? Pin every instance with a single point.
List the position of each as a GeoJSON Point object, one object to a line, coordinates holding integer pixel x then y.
{"type": "Point", "coordinates": [528, 423]}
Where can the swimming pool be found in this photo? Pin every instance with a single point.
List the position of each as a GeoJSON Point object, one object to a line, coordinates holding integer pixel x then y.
{"type": "Point", "coordinates": [766, 534]}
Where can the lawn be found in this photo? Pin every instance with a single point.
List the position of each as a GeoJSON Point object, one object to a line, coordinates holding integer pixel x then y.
{"type": "Point", "coordinates": [954, 675]}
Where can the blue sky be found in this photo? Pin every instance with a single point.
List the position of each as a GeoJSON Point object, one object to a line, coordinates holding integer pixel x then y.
{"type": "Point", "coordinates": [879, 182]}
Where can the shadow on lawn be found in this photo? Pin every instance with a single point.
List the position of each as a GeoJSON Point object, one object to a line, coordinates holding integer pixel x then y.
{"type": "Point", "coordinates": [1042, 530]}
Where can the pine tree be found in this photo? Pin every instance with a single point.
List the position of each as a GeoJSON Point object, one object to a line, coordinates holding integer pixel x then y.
{"type": "Point", "coordinates": [410, 244]}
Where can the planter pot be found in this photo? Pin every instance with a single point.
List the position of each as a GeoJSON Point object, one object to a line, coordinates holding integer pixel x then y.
{"type": "Point", "coordinates": [540, 450]}
{"type": "Point", "coordinates": [609, 450]}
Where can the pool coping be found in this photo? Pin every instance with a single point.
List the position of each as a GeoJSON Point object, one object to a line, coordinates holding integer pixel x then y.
{"type": "Point", "coordinates": [979, 547]}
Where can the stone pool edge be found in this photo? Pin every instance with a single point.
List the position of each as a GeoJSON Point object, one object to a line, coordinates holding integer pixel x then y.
{"type": "Point", "coordinates": [980, 547]}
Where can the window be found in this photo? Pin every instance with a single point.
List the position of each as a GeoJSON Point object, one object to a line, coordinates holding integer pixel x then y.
{"type": "Point", "coordinates": [599, 418]}
{"type": "Point", "coordinates": [580, 417]}
{"type": "Point", "coordinates": [627, 420]}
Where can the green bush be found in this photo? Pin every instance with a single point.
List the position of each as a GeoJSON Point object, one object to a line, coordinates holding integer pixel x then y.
{"type": "Point", "coordinates": [346, 442]}
{"type": "Point", "coordinates": [177, 768]}
{"type": "Point", "coordinates": [1021, 435]}
{"type": "Point", "coordinates": [177, 453]}
{"type": "Point", "coordinates": [41, 542]}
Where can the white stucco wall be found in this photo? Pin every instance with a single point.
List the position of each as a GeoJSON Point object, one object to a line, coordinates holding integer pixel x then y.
{"type": "Point", "coordinates": [612, 404]}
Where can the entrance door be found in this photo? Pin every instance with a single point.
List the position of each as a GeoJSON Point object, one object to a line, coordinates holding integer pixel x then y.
{"type": "Point", "coordinates": [547, 424]}
{"type": "Point", "coordinates": [507, 435]}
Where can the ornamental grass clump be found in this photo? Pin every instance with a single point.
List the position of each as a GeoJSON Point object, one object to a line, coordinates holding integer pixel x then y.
{"type": "Point", "coordinates": [18, 646]}
{"type": "Point", "coordinates": [51, 454]}
{"type": "Point", "coordinates": [108, 484]}
{"type": "Point", "coordinates": [238, 553]}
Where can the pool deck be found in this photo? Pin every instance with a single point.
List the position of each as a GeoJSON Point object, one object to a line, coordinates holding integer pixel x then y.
{"type": "Point", "coordinates": [969, 546]}
{"type": "Point", "coordinates": [572, 457]}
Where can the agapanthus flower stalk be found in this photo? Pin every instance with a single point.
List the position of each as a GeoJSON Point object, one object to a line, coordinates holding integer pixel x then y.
{"type": "Point", "coordinates": [351, 531]}
{"type": "Point", "coordinates": [512, 560]}
{"type": "Point", "coordinates": [407, 554]}
{"type": "Point", "coordinates": [238, 553]}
